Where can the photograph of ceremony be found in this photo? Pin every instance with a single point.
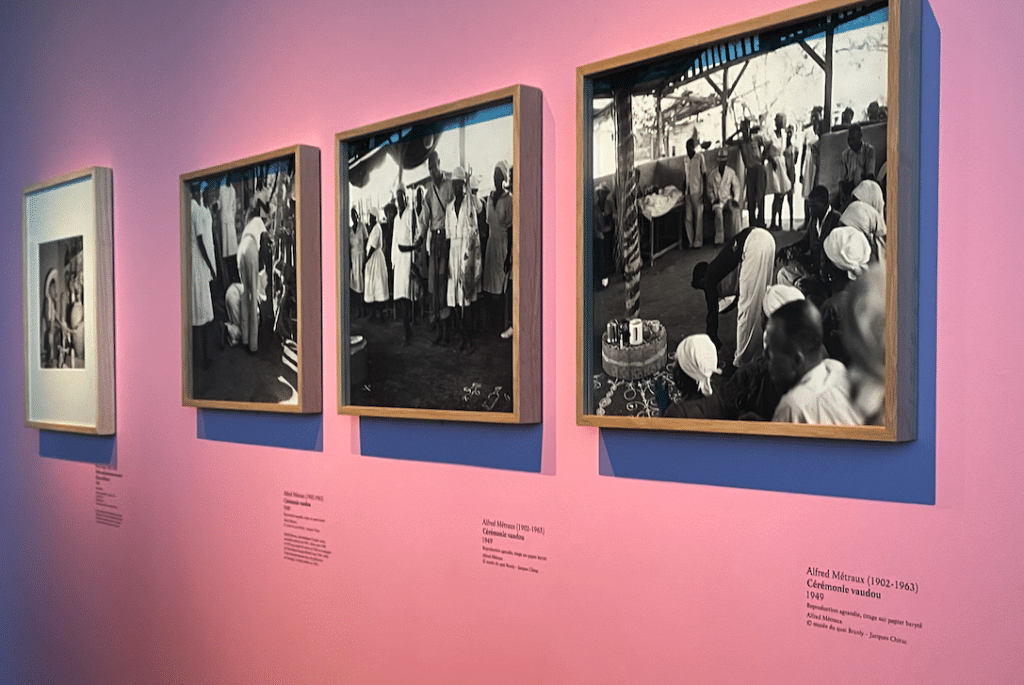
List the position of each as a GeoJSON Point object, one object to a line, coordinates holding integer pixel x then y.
{"type": "Point", "coordinates": [62, 291]}
{"type": "Point", "coordinates": [242, 303]}
{"type": "Point", "coordinates": [427, 240]}
{"type": "Point", "coordinates": [736, 233]}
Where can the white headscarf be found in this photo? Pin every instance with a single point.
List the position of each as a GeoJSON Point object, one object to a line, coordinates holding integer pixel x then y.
{"type": "Point", "coordinates": [778, 295]}
{"type": "Point", "coordinates": [503, 165]}
{"type": "Point", "coordinates": [869, 191]}
{"type": "Point", "coordinates": [865, 218]}
{"type": "Point", "coordinates": [848, 249]}
{"type": "Point", "coordinates": [697, 356]}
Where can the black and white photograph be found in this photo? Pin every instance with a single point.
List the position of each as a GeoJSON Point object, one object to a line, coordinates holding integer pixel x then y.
{"type": "Point", "coordinates": [62, 291]}
{"type": "Point", "coordinates": [241, 227]}
{"type": "Point", "coordinates": [428, 239]}
{"type": "Point", "coordinates": [737, 237]}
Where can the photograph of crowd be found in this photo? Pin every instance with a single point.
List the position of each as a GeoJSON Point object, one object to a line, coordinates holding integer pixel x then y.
{"type": "Point", "coordinates": [242, 296]}
{"type": "Point", "coordinates": [427, 243]}
{"type": "Point", "coordinates": [737, 233]}
{"type": "Point", "coordinates": [62, 338]}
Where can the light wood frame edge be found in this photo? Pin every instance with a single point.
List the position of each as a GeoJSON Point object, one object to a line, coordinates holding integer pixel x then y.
{"type": "Point", "coordinates": [103, 203]}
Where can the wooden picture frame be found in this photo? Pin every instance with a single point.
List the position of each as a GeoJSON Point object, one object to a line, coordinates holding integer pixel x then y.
{"type": "Point", "coordinates": [388, 366]}
{"type": "Point", "coordinates": [690, 85]}
{"type": "Point", "coordinates": [237, 353]}
{"type": "Point", "coordinates": [68, 269]}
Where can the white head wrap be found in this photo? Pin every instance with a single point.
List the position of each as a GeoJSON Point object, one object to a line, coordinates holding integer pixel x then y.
{"type": "Point", "coordinates": [458, 174]}
{"type": "Point", "coordinates": [864, 218]}
{"type": "Point", "coordinates": [778, 295]}
{"type": "Point", "coordinates": [698, 358]}
{"type": "Point", "coordinates": [848, 249]}
{"type": "Point", "coordinates": [503, 165]}
{"type": "Point", "coordinates": [869, 191]}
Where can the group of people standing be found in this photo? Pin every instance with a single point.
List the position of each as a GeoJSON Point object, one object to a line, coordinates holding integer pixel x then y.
{"type": "Point", "coordinates": [446, 254]}
{"type": "Point", "coordinates": [769, 161]}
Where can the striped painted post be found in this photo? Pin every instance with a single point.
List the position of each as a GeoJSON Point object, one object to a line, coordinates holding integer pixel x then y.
{"type": "Point", "coordinates": [627, 226]}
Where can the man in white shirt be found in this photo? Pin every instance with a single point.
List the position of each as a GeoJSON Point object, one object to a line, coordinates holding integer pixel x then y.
{"type": "Point", "coordinates": [817, 389]}
{"type": "Point", "coordinates": [253, 253]}
{"type": "Point", "coordinates": [724, 193]}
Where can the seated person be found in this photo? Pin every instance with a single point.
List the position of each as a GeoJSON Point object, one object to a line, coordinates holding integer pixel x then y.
{"type": "Point", "coordinates": [724, 193]}
{"type": "Point", "coordinates": [857, 164]}
{"type": "Point", "coordinates": [803, 258]}
{"type": "Point", "coordinates": [869, 221]}
{"type": "Point", "coordinates": [817, 389]}
{"type": "Point", "coordinates": [848, 253]}
{"type": "Point", "coordinates": [863, 328]}
{"type": "Point", "coordinates": [749, 394]}
{"type": "Point", "coordinates": [696, 362]}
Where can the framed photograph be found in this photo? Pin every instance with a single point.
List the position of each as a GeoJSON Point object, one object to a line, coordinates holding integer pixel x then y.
{"type": "Point", "coordinates": [68, 265]}
{"type": "Point", "coordinates": [250, 284]}
{"type": "Point", "coordinates": [748, 227]}
{"type": "Point", "coordinates": [439, 227]}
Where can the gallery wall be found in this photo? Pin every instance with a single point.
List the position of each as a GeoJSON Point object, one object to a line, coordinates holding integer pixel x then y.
{"type": "Point", "coordinates": [642, 580]}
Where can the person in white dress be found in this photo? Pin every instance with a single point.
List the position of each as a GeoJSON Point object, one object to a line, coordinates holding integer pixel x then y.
{"type": "Point", "coordinates": [375, 286]}
{"type": "Point", "coordinates": [775, 168]}
{"type": "Point", "coordinates": [203, 271]}
{"type": "Point", "coordinates": [357, 256]}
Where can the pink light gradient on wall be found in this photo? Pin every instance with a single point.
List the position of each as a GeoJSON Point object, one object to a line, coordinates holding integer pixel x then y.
{"type": "Point", "coordinates": [645, 581]}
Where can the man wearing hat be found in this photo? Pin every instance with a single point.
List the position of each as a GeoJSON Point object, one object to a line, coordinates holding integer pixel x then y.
{"type": "Point", "coordinates": [724, 193]}
{"type": "Point", "coordinates": [431, 215]}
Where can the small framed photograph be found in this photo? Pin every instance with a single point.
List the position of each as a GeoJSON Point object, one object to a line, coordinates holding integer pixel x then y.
{"type": "Point", "coordinates": [250, 284]}
{"type": "Point", "coordinates": [439, 227]}
{"type": "Point", "coordinates": [748, 227]}
{"type": "Point", "coordinates": [68, 262]}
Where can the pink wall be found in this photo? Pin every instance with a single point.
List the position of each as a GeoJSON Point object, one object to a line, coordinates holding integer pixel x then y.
{"type": "Point", "coordinates": [645, 581]}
